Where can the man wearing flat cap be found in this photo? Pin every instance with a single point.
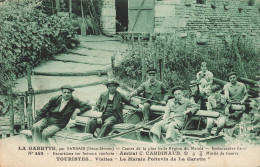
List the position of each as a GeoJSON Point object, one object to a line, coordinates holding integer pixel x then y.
{"type": "Point", "coordinates": [151, 90]}
{"type": "Point", "coordinates": [235, 92]}
{"type": "Point", "coordinates": [177, 110]}
{"type": "Point", "coordinates": [110, 103]}
{"type": "Point", "coordinates": [56, 114]}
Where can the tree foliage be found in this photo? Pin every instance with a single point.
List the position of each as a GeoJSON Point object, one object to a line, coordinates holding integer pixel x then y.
{"type": "Point", "coordinates": [27, 35]}
{"type": "Point", "coordinates": [183, 57]}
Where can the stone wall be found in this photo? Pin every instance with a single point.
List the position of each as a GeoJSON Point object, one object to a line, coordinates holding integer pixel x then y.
{"type": "Point", "coordinates": [108, 17]}
{"type": "Point", "coordinates": [215, 19]}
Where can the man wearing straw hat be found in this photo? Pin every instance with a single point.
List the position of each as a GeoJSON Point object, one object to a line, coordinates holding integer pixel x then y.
{"type": "Point", "coordinates": [154, 92]}
{"type": "Point", "coordinates": [56, 114]}
{"type": "Point", "coordinates": [110, 103]}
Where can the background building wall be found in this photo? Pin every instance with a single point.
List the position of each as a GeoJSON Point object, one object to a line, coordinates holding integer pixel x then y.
{"type": "Point", "coordinates": [215, 19]}
{"type": "Point", "coordinates": [108, 17]}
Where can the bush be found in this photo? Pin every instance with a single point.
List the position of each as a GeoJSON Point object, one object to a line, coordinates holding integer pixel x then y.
{"type": "Point", "coordinates": [28, 35]}
{"type": "Point", "coordinates": [183, 57]}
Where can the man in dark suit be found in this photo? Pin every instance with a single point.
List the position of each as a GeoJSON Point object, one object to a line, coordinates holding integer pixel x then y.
{"type": "Point", "coordinates": [110, 103]}
{"type": "Point", "coordinates": [56, 114]}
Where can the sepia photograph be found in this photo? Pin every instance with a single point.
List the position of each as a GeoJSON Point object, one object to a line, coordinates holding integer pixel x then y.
{"type": "Point", "coordinates": [129, 83]}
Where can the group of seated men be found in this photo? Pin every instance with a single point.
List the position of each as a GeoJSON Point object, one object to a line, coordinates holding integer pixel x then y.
{"type": "Point", "coordinates": [56, 114]}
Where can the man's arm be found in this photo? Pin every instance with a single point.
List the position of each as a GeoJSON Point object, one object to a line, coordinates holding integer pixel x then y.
{"type": "Point", "coordinates": [226, 92]}
{"type": "Point", "coordinates": [43, 112]}
{"type": "Point", "coordinates": [164, 92]}
{"type": "Point", "coordinates": [81, 107]}
{"type": "Point", "coordinates": [167, 112]}
{"type": "Point", "coordinates": [192, 107]}
{"type": "Point", "coordinates": [125, 99]}
{"type": "Point", "coordinates": [198, 76]}
{"type": "Point", "coordinates": [139, 90]}
{"type": "Point", "coordinates": [210, 78]}
{"type": "Point", "coordinates": [245, 95]}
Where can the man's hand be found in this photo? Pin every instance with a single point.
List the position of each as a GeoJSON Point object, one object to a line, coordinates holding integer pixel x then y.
{"type": "Point", "coordinates": [75, 113]}
{"type": "Point", "coordinates": [163, 103]}
{"type": "Point", "coordinates": [165, 120]}
{"type": "Point", "coordinates": [188, 112]}
{"type": "Point", "coordinates": [131, 94]}
{"type": "Point", "coordinates": [140, 106]}
{"type": "Point", "coordinates": [242, 101]}
{"type": "Point", "coordinates": [228, 100]}
{"type": "Point", "coordinates": [99, 121]}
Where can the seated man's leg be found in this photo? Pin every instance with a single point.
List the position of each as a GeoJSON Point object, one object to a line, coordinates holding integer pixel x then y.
{"type": "Point", "coordinates": [107, 126]}
{"type": "Point", "coordinates": [172, 130]}
{"type": "Point", "coordinates": [36, 130]}
{"type": "Point", "coordinates": [49, 131]}
{"type": "Point", "coordinates": [221, 123]}
{"type": "Point", "coordinates": [156, 131]}
{"type": "Point", "coordinates": [92, 126]}
{"type": "Point", "coordinates": [203, 103]}
{"type": "Point", "coordinates": [210, 124]}
{"type": "Point", "coordinates": [146, 111]}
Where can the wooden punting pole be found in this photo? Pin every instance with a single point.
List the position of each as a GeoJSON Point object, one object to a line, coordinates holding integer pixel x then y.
{"type": "Point", "coordinates": [30, 93]}
{"type": "Point", "coordinates": [11, 111]}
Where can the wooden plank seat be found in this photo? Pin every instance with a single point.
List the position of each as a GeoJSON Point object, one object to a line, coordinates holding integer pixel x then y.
{"type": "Point", "coordinates": [82, 121]}
{"type": "Point", "coordinates": [72, 136]}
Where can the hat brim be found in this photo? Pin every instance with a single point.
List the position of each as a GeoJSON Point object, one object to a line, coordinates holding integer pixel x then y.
{"type": "Point", "coordinates": [117, 84]}
{"type": "Point", "coordinates": [71, 89]}
{"type": "Point", "coordinates": [195, 84]}
{"type": "Point", "coordinates": [176, 88]}
{"type": "Point", "coordinates": [151, 71]}
{"type": "Point", "coordinates": [232, 73]}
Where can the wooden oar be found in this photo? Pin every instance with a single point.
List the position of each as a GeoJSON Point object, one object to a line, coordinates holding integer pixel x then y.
{"type": "Point", "coordinates": [122, 133]}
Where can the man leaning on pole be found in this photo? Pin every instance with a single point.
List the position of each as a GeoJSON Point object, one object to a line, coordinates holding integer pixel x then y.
{"type": "Point", "coordinates": [153, 92]}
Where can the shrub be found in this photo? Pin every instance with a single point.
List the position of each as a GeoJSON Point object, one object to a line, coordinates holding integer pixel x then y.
{"type": "Point", "coordinates": [183, 57]}
{"type": "Point", "coordinates": [28, 35]}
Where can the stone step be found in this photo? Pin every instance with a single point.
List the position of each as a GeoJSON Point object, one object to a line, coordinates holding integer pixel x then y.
{"type": "Point", "coordinates": [96, 38]}
{"type": "Point", "coordinates": [61, 67]}
{"type": "Point", "coordinates": [52, 82]}
{"type": "Point", "coordinates": [110, 46]}
{"type": "Point", "coordinates": [91, 59]}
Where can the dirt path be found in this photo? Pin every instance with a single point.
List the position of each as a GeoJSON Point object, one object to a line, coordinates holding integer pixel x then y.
{"type": "Point", "coordinates": [93, 53]}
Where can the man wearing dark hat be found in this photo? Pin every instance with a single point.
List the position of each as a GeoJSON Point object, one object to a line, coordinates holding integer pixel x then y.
{"type": "Point", "coordinates": [110, 103]}
{"type": "Point", "coordinates": [56, 114]}
{"type": "Point", "coordinates": [177, 110]}
{"type": "Point", "coordinates": [152, 90]}
{"type": "Point", "coordinates": [235, 92]}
